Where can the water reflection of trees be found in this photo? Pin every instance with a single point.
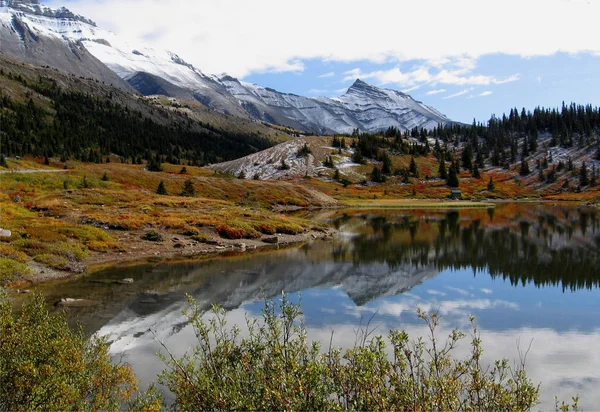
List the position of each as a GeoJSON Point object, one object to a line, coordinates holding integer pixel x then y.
{"type": "Point", "coordinates": [558, 247]}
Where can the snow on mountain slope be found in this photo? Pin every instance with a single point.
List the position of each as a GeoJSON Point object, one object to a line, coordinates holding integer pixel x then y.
{"type": "Point", "coordinates": [123, 58]}
{"type": "Point", "coordinates": [37, 34]}
{"type": "Point", "coordinates": [363, 107]}
{"type": "Point", "coordinates": [378, 109]}
{"type": "Point", "coordinates": [267, 164]}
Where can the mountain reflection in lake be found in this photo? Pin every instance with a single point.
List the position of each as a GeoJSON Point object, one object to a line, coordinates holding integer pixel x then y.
{"type": "Point", "coordinates": [529, 274]}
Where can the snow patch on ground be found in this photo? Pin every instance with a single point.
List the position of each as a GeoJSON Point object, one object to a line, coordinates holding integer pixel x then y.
{"type": "Point", "coordinates": [267, 164]}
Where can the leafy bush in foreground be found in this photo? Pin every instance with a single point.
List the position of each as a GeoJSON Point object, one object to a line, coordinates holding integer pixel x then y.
{"type": "Point", "coordinates": [276, 368]}
{"type": "Point", "coordinates": [44, 365]}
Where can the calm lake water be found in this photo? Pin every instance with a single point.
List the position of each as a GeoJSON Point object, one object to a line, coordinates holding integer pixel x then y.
{"type": "Point", "coordinates": [528, 273]}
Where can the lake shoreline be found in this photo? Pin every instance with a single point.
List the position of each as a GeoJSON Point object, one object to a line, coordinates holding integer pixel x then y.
{"type": "Point", "coordinates": [133, 249]}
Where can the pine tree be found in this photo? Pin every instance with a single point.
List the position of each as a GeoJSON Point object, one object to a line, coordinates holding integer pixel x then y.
{"type": "Point", "coordinates": [387, 164]}
{"type": "Point", "coordinates": [551, 178]}
{"type": "Point", "coordinates": [594, 177]}
{"type": "Point", "coordinates": [476, 173]}
{"type": "Point", "coordinates": [479, 160]}
{"type": "Point", "coordinates": [241, 175]}
{"type": "Point", "coordinates": [154, 165]}
{"type": "Point", "coordinates": [3, 162]}
{"type": "Point", "coordinates": [328, 162]}
{"type": "Point", "coordinates": [161, 189]}
{"type": "Point", "coordinates": [183, 171]}
{"type": "Point", "coordinates": [442, 173]}
{"type": "Point", "coordinates": [524, 168]}
{"type": "Point", "coordinates": [413, 167]}
{"type": "Point", "coordinates": [304, 151]}
{"type": "Point", "coordinates": [583, 175]}
{"type": "Point", "coordinates": [377, 176]}
{"type": "Point", "coordinates": [357, 157]}
{"type": "Point", "coordinates": [467, 157]}
{"type": "Point", "coordinates": [336, 175]}
{"type": "Point", "coordinates": [188, 188]}
{"type": "Point", "coordinates": [453, 176]}
{"type": "Point", "coordinates": [405, 176]}
{"type": "Point", "coordinates": [491, 186]}
{"type": "Point", "coordinates": [104, 177]}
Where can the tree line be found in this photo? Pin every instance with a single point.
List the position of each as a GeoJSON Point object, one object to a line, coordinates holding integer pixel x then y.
{"type": "Point", "coordinates": [85, 127]}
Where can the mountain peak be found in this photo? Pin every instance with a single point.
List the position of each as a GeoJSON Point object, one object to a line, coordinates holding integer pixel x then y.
{"type": "Point", "coordinates": [359, 84]}
{"type": "Point", "coordinates": [35, 8]}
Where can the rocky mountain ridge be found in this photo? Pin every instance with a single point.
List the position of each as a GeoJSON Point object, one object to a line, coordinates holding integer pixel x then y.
{"type": "Point", "coordinates": [59, 38]}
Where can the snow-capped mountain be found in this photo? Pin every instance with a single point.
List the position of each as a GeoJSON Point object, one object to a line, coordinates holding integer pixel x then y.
{"type": "Point", "coordinates": [56, 37]}
{"type": "Point", "coordinates": [39, 35]}
{"type": "Point", "coordinates": [363, 107]}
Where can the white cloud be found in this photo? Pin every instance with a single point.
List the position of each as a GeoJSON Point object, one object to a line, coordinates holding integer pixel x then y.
{"type": "Point", "coordinates": [486, 93]}
{"type": "Point", "coordinates": [461, 93]}
{"type": "Point", "coordinates": [270, 35]}
{"type": "Point", "coordinates": [432, 92]}
{"type": "Point", "coordinates": [458, 72]}
{"type": "Point", "coordinates": [538, 80]}
{"type": "Point", "coordinates": [486, 291]}
{"type": "Point", "coordinates": [330, 74]}
{"type": "Point", "coordinates": [455, 289]}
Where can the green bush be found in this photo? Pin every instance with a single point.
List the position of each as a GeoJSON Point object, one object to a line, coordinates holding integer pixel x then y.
{"type": "Point", "coordinates": [44, 365]}
{"type": "Point", "coordinates": [276, 368]}
{"type": "Point", "coordinates": [54, 261]}
{"type": "Point", "coordinates": [201, 237]}
{"type": "Point", "coordinates": [11, 270]}
{"type": "Point", "coordinates": [153, 236]}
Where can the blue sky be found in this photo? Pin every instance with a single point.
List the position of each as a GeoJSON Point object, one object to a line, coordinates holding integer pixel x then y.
{"type": "Point", "coordinates": [466, 58]}
{"type": "Point", "coordinates": [538, 81]}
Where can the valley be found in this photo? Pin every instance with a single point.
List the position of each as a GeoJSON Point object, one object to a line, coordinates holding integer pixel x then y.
{"type": "Point", "coordinates": [145, 203]}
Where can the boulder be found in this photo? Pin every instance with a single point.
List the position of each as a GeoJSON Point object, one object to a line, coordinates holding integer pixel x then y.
{"type": "Point", "coordinates": [76, 303]}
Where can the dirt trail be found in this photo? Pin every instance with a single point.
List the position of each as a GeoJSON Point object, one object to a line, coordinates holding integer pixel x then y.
{"type": "Point", "coordinates": [35, 171]}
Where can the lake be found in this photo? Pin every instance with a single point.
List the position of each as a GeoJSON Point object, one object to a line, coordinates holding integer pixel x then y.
{"type": "Point", "coordinates": [529, 273]}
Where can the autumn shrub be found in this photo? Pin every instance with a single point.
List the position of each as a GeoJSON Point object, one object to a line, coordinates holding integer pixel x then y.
{"type": "Point", "coordinates": [230, 232]}
{"type": "Point", "coordinates": [85, 233]}
{"type": "Point", "coordinates": [45, 365]}
{"type": "Point", "coordinates": [54, 261]}
{"type": "Point", "coordinates": [201, 237]}
{"type": "Point", "coordinates": [266, 229]}
{"type": "Point", "coordinates": [7, 251]}
{"type": "Point", "coordinates": [237, 229]}
{"type": "Point", "coordinates": [101, 245]}
{"type": "Point", "coordinates": [275, 367]}
{"type": "Point", "coordinates": [288, 228]}
{"type": "Point", "coordinates": [11, 270]}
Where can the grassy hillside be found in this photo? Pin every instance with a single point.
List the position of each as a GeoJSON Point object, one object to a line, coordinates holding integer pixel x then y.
{"type": "Point", "coordinates": [68, 218]}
